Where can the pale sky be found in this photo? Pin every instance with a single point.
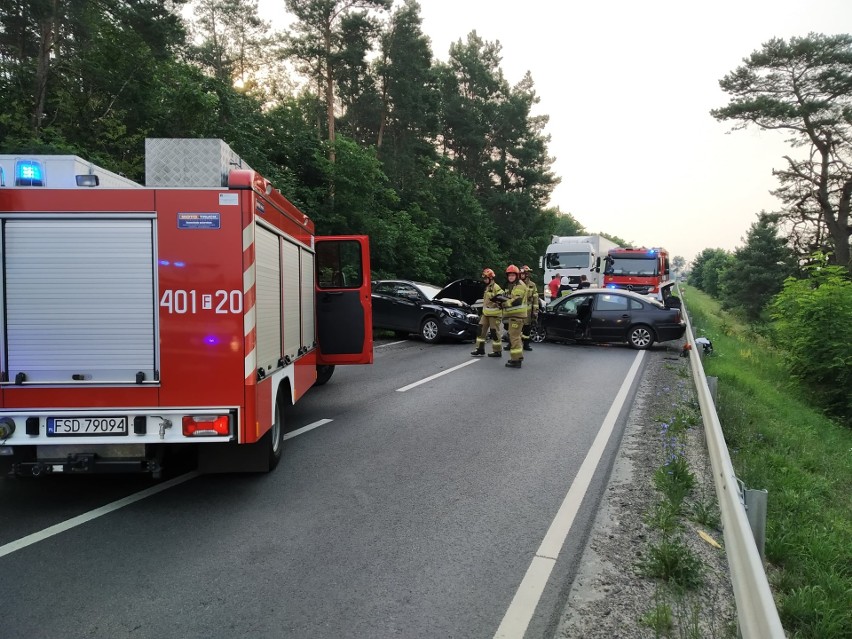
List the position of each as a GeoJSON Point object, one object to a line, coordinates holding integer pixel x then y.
{"type": "Point", "coordinates": [628, 86]}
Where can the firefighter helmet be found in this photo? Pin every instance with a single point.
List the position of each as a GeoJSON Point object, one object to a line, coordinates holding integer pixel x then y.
{"type": "Point", "coordinates": [487, 272]}
{"type": "Point", "coordinates": [512, 269]}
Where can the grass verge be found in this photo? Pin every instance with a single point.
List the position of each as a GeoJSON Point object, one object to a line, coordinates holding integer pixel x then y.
{"type": "Point", "coordinates": [778, 442]}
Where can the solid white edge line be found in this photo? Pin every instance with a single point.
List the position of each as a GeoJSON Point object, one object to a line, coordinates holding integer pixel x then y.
{"type": "Point", "coordinates": [36, 537]}
{"type": "Point", "coordinates": [305, 429]}
{"type": "Point", "coordinates": [391, 344]}
{"type": "Point", "coordinates": [435, 376]}
{"type": "Point", "coordinates": [520, 612]}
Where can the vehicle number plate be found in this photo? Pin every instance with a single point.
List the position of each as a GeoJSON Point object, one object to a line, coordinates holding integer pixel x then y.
{"type": "Point", "coordinates": [86, 426]}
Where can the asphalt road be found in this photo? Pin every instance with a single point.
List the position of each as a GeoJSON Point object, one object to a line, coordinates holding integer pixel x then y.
{"type": "Point", "coordinates": [409, 514]}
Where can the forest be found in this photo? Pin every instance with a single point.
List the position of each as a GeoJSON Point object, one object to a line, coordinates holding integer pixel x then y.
{"type": "Point", "coordinates": [443, 164]}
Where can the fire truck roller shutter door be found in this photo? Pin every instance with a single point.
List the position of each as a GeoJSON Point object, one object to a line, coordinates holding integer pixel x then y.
{"type": "Point", "coordinates": [292, 298]}
{"type": "Point", "coordinates": [62, 317]}
{"type": "Point", "coordinates": [308, 299]}
{"type": "Point", "coordinates": [268, 305]}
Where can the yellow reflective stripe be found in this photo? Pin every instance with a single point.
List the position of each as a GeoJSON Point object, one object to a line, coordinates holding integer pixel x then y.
{"type": "Point", "coordinates": [516, 351]}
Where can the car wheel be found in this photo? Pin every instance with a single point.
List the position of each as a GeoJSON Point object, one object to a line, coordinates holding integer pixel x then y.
{"type": "Point", "coordinates": [640, 337]}
{"type": "Point", "coordinates": [429, 330]}
{"type": "Point", "coordinates": [538, 334]}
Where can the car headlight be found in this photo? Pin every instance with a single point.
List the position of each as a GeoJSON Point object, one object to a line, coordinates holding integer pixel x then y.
{"type": "Point", "coordinates": [454, 313]}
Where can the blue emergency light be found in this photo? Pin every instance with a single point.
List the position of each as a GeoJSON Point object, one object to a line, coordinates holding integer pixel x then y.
{"type": "Point", "coordinates": [29, 173]}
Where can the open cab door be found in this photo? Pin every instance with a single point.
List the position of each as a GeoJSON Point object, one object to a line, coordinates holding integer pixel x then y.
{"type": "Point", "coordinates": [343, 290]}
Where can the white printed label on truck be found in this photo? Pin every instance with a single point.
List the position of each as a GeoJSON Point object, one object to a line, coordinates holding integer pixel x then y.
{"type": "Point", "coordinates": [180, 302]}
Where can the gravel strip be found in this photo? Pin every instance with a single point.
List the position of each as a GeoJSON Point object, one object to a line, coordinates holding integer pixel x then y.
{"type": "Point", "coordinates": [609, 598]}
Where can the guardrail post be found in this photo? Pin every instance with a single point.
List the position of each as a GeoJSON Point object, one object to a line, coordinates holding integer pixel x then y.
{"type": "Point", "coordinates": [713, 385]}
{"type": "Point", "coordinates": [755, 505]}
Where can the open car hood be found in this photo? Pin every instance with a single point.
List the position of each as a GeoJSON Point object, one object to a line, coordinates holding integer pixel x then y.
{"type": "Point", "coordinates": [464, 292]}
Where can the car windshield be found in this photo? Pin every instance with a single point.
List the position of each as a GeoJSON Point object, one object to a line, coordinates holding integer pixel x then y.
{"type": "Point", "coordinates": [644, 265]}
{"type": "Point", "coordinates": [428, 290]}
{"type": "Point", "coordinates": [567, 260]}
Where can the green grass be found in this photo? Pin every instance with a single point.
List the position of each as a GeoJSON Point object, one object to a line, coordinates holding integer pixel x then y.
{"type": "Point", "coordinates": [674, 562]}
{"type": "Point", "coordinates": [780, 443]}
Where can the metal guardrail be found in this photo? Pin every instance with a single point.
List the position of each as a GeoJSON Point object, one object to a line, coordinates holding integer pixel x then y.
{"type": "Point", "coordinates": [757, 615]}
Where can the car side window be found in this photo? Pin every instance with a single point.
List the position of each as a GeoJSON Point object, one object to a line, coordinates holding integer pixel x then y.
{"type": "Point", "coordinates": [636, 305]}
{"type": "Point", "coordinates": [407, 292]}
{"type": "Point", "coordinates": [612, 303]}
{"type": "Point", "coordinates": [383, 288]}
{"type": "Point", "coordinates": [568, 307]}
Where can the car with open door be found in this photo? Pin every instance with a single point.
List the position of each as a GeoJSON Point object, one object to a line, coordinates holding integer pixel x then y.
{"type": "Point", "coordinates": [406, 306]}
{"type": "Point", "coordinates": [607, 315]}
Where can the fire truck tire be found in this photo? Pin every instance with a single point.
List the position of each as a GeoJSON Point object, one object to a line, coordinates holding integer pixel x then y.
{"type": "Point", "coordinates": [640, 337]}
{"type": "Point", "coordinates": [324, 374]}
{"type": "Point", "coordinates": [273, 440]}
{"type": "Point", "coordinates": [429, 330]}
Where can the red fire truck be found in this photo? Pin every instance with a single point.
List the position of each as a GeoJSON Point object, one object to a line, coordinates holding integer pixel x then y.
{"type": "Point", "coordinates": [643, 270]}
{"type": "Point", "coordinates": [137, 320]}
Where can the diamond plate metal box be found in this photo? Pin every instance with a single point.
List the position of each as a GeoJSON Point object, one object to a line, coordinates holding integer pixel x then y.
{"type": "Point", "coordinates": [189, 162]}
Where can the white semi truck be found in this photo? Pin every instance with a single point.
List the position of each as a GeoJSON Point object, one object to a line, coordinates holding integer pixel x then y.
{"type": "Point", "coordinates": [575, 256]}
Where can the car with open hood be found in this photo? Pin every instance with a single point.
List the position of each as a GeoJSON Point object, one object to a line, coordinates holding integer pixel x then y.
{"type": "Point", "coordinates": [406, 306]}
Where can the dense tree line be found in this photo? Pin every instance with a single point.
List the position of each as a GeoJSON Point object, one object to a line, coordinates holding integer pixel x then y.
{"type": "Point", "coordinates": [443, 164]}
{"type": "Point", "coordinates": [792, 275]}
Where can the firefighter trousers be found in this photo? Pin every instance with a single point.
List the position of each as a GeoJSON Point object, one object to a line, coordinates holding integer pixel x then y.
{"type": "Point", "coordinates": [516, 347]}
{"type": "Point", "coordinates": [490, 324]}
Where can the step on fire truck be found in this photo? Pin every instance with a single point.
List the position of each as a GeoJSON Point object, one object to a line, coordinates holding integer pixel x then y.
{"type": "Point", "coordinates": [643, 270]}
{"type": "Point", "coordinates": [139, 319]}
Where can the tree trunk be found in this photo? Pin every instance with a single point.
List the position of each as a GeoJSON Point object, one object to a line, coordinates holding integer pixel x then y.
{"type": "Point", "coordinates": [329, 92]}
{"type": "Point", "coordinates": [48, 28]}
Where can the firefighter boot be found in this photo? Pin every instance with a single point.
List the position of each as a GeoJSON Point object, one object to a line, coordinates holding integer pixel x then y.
{"type": "Point", "coordinates": [527, 346]}
{"type": "Point", "coordinates": [513, 363]}
{"type": "Point", "coordinates": [495, 354]}
{"type": "Point", "coordinates": [479, 352]}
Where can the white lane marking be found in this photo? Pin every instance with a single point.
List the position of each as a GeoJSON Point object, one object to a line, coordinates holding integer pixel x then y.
{"type": "Point", "coordinates": [305, 429]}
{"type": "Point", "coordinates": [391, 344]}
{"type": "Point", "coordinates": [36, 537]}
{"type": "Point", "coordinates": [519, 614]}
{"type": "Point", "coordinates": [436, 375]}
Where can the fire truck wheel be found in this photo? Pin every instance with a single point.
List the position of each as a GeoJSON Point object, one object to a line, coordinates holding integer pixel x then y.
{"type": "Point", "coordinates": [274, 437]}
{"type": "Point", "coordinates": [640, 337]}
{"type": "Point", "coordinates": [429, 330]}
{"type": "Point", "coordinates": [324, 374]}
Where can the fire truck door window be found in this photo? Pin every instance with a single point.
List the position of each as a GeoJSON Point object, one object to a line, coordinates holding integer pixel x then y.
{"type": "Point", "coordinates": [339, 265]}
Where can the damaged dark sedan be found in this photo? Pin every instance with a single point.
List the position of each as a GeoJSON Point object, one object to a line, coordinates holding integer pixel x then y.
{"type": "Point", "coordinates": [406, 307]}
{"type": "Point", "coordinates": [605, 315]}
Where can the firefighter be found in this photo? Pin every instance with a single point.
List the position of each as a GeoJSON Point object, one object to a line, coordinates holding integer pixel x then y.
{"type": "Point", "coordinates": [515, 310]}
{"type": "Point", "coordinates": [491, 320]}
{"type": "Point", "coordinates": [532, 303]}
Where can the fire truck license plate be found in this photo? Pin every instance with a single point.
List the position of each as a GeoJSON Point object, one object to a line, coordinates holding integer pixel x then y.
{"type": "Point", "coordinates": [86, 426]}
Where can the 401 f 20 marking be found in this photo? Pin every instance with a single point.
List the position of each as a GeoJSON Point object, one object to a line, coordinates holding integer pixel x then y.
{"type": "Point", "coordinates": [181, 302]}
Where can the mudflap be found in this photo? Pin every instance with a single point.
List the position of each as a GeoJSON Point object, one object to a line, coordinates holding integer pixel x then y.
{"type": "Point", "coordinates": [233, 458]}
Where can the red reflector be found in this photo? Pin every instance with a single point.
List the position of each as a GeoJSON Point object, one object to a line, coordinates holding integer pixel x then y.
{"type": "Point", "coordinates": [206, 425]}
